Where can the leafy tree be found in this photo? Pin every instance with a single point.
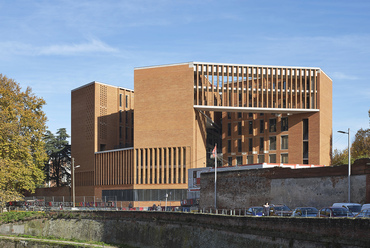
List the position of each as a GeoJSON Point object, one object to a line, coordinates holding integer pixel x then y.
{"type": "Point", "coordinates": [361, 146]}
{"type": "Point", "coordinates": [59, 152]}
{"type": "Point", "coordinates": [22, 152]}
{"type": "Point", "coordinates": [339, 157]}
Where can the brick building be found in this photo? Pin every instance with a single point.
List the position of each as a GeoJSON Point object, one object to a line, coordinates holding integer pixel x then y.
{"type": "Point", "coordinates": [138, 146]}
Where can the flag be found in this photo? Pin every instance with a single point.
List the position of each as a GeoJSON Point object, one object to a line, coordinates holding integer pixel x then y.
{"type": "Point", "coordinates": [214, 152]}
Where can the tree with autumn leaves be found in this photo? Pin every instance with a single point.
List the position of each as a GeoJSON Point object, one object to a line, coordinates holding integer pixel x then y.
{"type": "Point", "coordinates": [22, 148]}
{"type": "Point", "coordinates": [360, 148]}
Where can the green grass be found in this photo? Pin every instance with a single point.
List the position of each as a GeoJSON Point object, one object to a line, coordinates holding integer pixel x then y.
{"type": "Point", "coordinates": [9, 217]}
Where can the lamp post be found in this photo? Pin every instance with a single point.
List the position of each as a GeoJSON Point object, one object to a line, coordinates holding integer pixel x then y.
{"type": "Point", "coordinates": [349, 163]}
{"type": "Point", "coordinates": [73, 182]}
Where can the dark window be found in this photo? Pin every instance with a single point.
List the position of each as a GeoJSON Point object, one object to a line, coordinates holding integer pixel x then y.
{"type": "Point", "coordinates": [120, 100]}
{"type": "Point", "coordinates": [239, 160]}
{"type": "Point", "coordinates": [262, 126]}
{"type": "Point", "coordinates": [305, 150]}
{"type": "Point", "coordinates": [272, 127]}
{"type": "Point", "coordinates": [126, 101]}
{"type": "Point", "coordinates": [250, 127]}
{"type": "Point", "coordinates": [120, 132]}
{"type": "Point", "coordinates": [272, 158]}
{"type": "Point", "coordinates": [261, 144]}
{"type": "Point", "coordinates": [272, 141]}
{"type": "Point", "coordinates": [228, 129]}
{"type": "Point", "coordinates": [284, 124]}
{"type": "Point", "coordinates": [228, 115]}
{"type": "Point", "coordinates": [284, 142]}
{"type": "Point", "coordinates": [230, 161]}
{"type": "Point", "coordinates": [120, 116]}
{"type": "Point", "coordinates": [229, 146]}
{"type": "Point", "coordinates": [250, 144]}
{"type": "Point", "coordinates": [239, 128]}
{"type": "Point", "coordinates": [250, 115]}
{"type": "Point", "coordinates": [102, 147]}
{"type": "Point", "coordinates": [239, 115]}
{"type": "Point", "coordinates": [239, 145]}
{"type": "Point", "coordinates": [305, 129]}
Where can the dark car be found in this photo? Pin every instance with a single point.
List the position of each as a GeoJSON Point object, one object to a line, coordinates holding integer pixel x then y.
{"type": "Point", "coordinates": [305, 212]}
{"type": "Point", "coordinates": [255, 211]}
{"type": "Point", "coordinates": [280, 210]}
{"type": "Point", "coordinates": [365, 213]}
{"type": "Point", "coordinates": [334, 212]}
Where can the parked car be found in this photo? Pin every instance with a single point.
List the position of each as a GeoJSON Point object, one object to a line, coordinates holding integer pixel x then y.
{"type": "Point", "coordinates": [334, 212]}
{"type": "Point", "coordinates": [305, 212]}
{"type": "Point", "coordinates": [255, 211]}
{"type": "Point", "coordinates": [280, 210]}
{"type": "Point", "coordinates": [365, 213]}
{"type": "Point", "coordinates": [365, 206]}
{"type": "Point", "coordinates": [355, 208]}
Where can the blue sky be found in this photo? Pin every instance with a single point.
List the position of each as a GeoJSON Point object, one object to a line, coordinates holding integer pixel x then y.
{"type": "Point", "coordinates": [56, 46]}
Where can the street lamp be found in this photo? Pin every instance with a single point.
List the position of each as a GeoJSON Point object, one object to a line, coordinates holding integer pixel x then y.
{"type": "Point", "coordinates": [73, 182]}
{"type": "Point", "coordinates": [349, 163]}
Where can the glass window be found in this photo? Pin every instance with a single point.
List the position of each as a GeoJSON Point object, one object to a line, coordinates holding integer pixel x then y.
{"type": "Point", "coordinates": [272, 126]}
{"type": "Point", "coordinates": [250, 127]}
{"type": "Point", "coordinates": [261, 158]}
{"type": "Point", "coordinates": [239, 145]}
{"type": "Point", "coordinates": [250, 159]}
{"type": "Point", "coordinates": [120, 100]}
{"type": "Point", "coordinates": [126, 101]}
{"type": "Point", "coordinates": [262, 144]}
{"type": "Point", "coordinates": [239, 114]}
{"type": "Point", "coordinates": [284, 142]}
{"type": "Point", "coordinates": [228, 115]}
{"type": "Point", "coordinates": [230, 161]}
{"type": "Point", "coordinates": [239, 128]}
{"type": "Point", "coordinates": [262, 126]}
{"type": "Point", "coordinates": [272, 141]}
{"type": "Point", "coordinates": [305, 129]}
{"type": "Point", "coordinates": [272, 158]}
{"type": "Point", "coordinates": [284, 124]}
{"type": "Point", "coordinates": [229, 146]}
{"type": "Point", "coordinates": [250, 144]}
{"type": "Point", "coordinates": [228, 129]}
{"type": "Point", "coordinates": [284, 158]}
{"type": "Point", "coordinates": [239, 160]}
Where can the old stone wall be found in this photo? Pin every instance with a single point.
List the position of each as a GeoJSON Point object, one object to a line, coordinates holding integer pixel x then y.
{"type": "Point", "coordinates": [317, 187]}
{"type": "Point", "coordinates": [166, 229]}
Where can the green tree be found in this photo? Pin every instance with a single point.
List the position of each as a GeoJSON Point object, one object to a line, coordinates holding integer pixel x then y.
{"type": "Point", "coordinates": [361, 145]}
{"type": "Point", "coordinates": [339, 157]}
{"type": "Point", "coordinates": [57, 167]}
{"type": "Point", "coordinates": [22, 151]}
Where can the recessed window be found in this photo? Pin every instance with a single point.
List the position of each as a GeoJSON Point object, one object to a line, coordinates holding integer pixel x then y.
{"type": "Point", "coordinates": [262, 126]}
{"type": "Point", "coordinates": [229, 146]}
{"type": "Point", "coordinates": [272, 126]}
{"type": "Point", "coordinates": [284, 124]}
{"type": "Point", "coordinates": [262, 144]}
{"type": "Point", "coordinates": [239, 160]}
{"type": "Point", "coordinates": [228, 115]}
{"type": "Point", "coordinates": [272, 158]}
{"type": "Point", "coordinates": [239, 145]}
{"type": "Point", "coordinates": [239, 128]}
{"type": "Point", "coordinates": [250, 127]}
{"type": "Point", "coordinates": [284, 142]}
{"type": "Point", "coordinates": [284, 158]}
{"type": "Point", "coordinates": [250, 144]}
{"type": "Point", "coordinates": [230, 161]}
{"type": "Point", "coordinates": [261, 158]}
{"type": "Point", "coordinates": [250, 159]}
{"type": "Point", "coordinates": [272, 141]}
{"type": "Point", "coordinates": [228, 129]}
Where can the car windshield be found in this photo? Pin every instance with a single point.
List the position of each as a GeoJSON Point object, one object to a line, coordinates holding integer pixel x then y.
{"type": "Point", "coordinates": [281, 208]}
{"type": "Point", "coordinates": [354, 208]}
{"type": "Point", "coordinates": [255, 209]}
{"type": "Point", "coordinates": [340, 211]}
{"type": "Point", "coordinates": [309, 210]}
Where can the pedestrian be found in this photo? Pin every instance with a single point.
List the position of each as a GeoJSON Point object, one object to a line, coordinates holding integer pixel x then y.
{"type": "Point", "coordinates": [154, 208]}
{"type": "Point", "coordinates": [266, 209]}
{"type": "Point", "coordinates": [129, 206]}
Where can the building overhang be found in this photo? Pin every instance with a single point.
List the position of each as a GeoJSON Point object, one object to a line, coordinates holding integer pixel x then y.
{"type": "Point", "coordinates": [255, 110]}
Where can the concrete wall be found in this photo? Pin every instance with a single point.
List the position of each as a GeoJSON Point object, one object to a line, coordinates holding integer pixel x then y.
{"type": "Point", "coordinates": [317, 187]}
{"type": "Point", "coordinates": [161, 229]}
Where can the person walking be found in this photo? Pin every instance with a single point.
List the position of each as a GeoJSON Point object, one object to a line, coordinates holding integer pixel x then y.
{"type": "Point", "coordinates": [266, 209]}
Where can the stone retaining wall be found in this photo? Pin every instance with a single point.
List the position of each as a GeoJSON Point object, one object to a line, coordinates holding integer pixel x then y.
{"type": "Point", "coordinates": [166, 229]}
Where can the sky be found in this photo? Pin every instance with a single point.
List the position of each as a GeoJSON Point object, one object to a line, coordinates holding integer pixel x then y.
{"type": "Point", "coordinates": [57, 46]}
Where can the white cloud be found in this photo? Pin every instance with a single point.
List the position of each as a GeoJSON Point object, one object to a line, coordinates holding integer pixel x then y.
{"type": "Point", "coordinates": [92, 46]}
{"type": "Point", "coordinates": [341, 75]}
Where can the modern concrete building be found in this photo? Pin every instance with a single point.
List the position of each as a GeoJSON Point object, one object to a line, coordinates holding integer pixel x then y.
{"type": "Point", "coordinates": [254, 114]}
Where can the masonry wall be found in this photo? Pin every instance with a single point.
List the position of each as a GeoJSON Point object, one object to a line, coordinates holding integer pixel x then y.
{"type": "Point", "coordinates": [164, 229]}
{"type": "Point", "coordinates": [317, 187]}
